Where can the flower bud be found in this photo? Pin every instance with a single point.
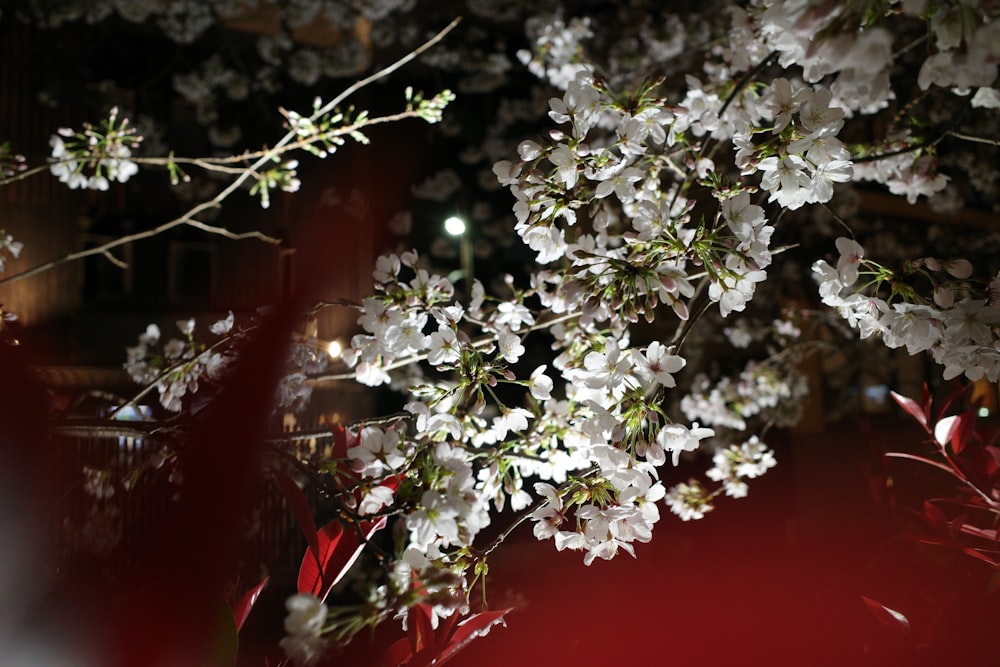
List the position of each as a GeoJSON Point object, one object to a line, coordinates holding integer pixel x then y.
{"type": "Point", "coordinates": [958, 268]}
{"type": "Point", "coordinates": [943, 297]}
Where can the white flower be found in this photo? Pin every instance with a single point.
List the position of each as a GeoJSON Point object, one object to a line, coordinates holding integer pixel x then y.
{"type": "Point", "coordinates": [782, 102]}
{"type": "Point", "coordinates": [223, 327]}
{"type": "Point", "coordinates": [742, 216]}
{"type": "Point", "coordinates": [375, 500]}
{"type": "Point", "coordinates": [435, 522]}
{"type": "Point", "coordinates": [444, 347]}
{"type": "Point", "coordinates": [566, 168]}
{"type": "Point", "coordinates": [303, 650]}
{"type": "Point", "coordinates": [548, 242]}
{"type": "Point", "coordinates": [658, 363]}
{"type": "Point", "coordinates": [607, 368]}
{"type": "Point", "coordinates": [376, 450]}
{"type": "Point", "coordinates": [679, 438]}
{"type": "Point", "coordinates": [688, 501]}
{"type": "Point", "coordinates": [515, 419]}
{"type": "Point", "coordinates": [186, 326]}
{"type": "Point", "coordinates": [386, 268]}
{"type": "Point", "coordinates": [851, 254]}
{"type": "Point", "coordinates": [549, 516]}
{"type": "Point", "coordinates": [510, 347]}
{"type": "Point", "coordinates": [513, 315]}
{"type": "Point", "coordinates": [306, 615]}
{"type": "Point", "coordinates": [540, 384]}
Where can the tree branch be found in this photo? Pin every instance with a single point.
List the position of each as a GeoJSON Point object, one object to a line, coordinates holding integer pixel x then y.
{"type": "Point", "coordinates": [288, 140]}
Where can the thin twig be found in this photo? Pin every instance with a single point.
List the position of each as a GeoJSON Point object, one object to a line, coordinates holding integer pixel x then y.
{"type": "Point", "coordinates": [974, 139]}
{"type": "Point", "coordinates": [246, 174]}
{"type": "Point", "coordinates": [222, 231]}
{"type": "Point", "coordinates": [114, 260]}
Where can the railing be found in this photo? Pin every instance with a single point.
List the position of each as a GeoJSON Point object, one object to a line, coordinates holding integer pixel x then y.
{"type": "Point", "coordinates": [105, 537]}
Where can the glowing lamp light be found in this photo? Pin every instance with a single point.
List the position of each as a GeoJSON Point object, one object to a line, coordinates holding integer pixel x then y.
{"type": "Point", "coordinates": [454, 226]}
{"type": "Point", "coordinates": [334, 349]}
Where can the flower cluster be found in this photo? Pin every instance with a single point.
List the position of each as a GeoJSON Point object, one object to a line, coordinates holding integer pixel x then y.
{"type": "Point", "coordinates": [933, 305]}
{"type": "Point", "coordinates": [735, 463]}
{"type": "Point", "coordinates": [97, 155]}
{"type": "Point", "coordinates": [802, 158]}
{"type": "Point", "coordinates": [304, 643]}
{"type": "Point", "coordinates": [771, 391]}
{"type": "Point", "coordinates": [180, 365]}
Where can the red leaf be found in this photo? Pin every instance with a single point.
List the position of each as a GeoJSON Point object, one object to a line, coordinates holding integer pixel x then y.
{"type": "Point", "coordinates": [888, 617]}
{"type": "Point", "coordinates": [337, 551]}
{"type": "Point", "coordinates": [399, 653]}
{"type": "Point", "coordinates": [419, 628]}
{"type": "Point", "coordinates": [472, 628]}
{"type": "Point", "coordinates": [963, 431]}
{"type": "Point", "coordinates": [242, 608]}
{"type": "Point", "coordinates": [314, 563]}
{"type": "Point", "coordinates": [342, 441]}
{"type": "Point", "coordinates": [912, 407]}
{"type": "Point", "coordinates": [935, 517]}
{"type": "Point", "coordinates": [300, 508]}
{"type": "Point", "coordinates": [451, 639]}
{"type": "Point", "coordinates": [975, 553]}
{"type": "Point", "coordinates": [952, 397]}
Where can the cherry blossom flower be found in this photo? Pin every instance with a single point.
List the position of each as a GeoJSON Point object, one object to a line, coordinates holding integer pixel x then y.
{"type": "Point", "coordinates": [658, 363]}
{"type": "Point", "coordinates": [677, 438]}
{"type": "Point", "coordinates": [540, 384]}
{"type": "Point", "coordinates": [851, 254]}
{"type": "Point", "coordinates": [443, 347]}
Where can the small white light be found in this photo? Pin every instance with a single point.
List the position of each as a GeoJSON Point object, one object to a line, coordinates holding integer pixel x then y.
{"type": "Point", "coordinates": [334, 349]}
{"type": "Point", "coordinates": [984, 411]}
{"type": "Point", "coordinates": [454, 226]}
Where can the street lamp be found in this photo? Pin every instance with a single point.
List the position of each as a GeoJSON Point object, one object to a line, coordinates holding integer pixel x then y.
{"type": "Point", "coordinates": [455, 226]}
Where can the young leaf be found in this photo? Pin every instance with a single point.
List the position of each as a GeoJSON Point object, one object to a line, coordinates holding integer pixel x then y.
{"type": "Point", "coordinates": [935, 517]}
{"type": "Point", "coordinates": [420, 630]}
{"type": "Point", "coordinates": [314, 563]}
{"type": "Point", "coordinates": [945, 429]}
{"type": "Point", "coordinates": [963, 431]}
{"type": "Point", "coordinates": [337, 551]}
{"type": "Point", "coordinates": [399, 653]}
{"type": "Point", "coordinates": [887, 616]}
{"type": "Point", "coordinates": [452, 638]}
{"type": "Point", "coordinates": [911, 407]}
{"type": "Point", "coordinates": [242, 608]}
{"type": "Point", "coordinates": [472, 628]}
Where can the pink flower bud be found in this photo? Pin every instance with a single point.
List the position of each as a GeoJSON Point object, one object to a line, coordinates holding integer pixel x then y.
{"type": "Point", "coordinates": [959, 268]}
{"type": "Point", "coordinates": [943, 297]}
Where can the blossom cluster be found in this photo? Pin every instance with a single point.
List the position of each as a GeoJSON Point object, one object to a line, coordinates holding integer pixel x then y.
{"type": "Point", "coordinates": [732, 465]}
{"type": "Point", "coordinates": [933, 305]}
{"type": "Point", "coordinates": [176, 368]}
{"type": "Point", "coordinates": [772, 391]}
{"type": "Point", "coordinates": [601, 438]}
{"type": "Point", "coordinates": [97, 155]}
{"type": "Point", "coordinates": [179, 367]}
